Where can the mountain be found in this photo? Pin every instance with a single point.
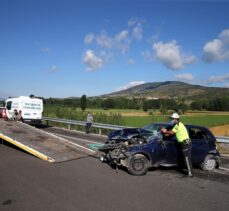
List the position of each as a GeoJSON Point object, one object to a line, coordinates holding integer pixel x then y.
{"type": "Point", "coordinates": [170, 89]}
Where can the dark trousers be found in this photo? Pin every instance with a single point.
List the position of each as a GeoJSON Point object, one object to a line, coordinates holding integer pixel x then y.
{"type": "Point", "coordinates": [88, 127]}
{"type": "Point", "coordinates": [186, 154]}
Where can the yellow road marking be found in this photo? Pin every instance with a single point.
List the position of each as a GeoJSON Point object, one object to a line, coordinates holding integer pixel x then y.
{"type": "Point", "coordinates": [26, 148]}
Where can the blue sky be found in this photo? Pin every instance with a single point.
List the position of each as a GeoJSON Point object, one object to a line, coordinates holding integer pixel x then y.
{"type": "Point", "coordinates": [64, 48]}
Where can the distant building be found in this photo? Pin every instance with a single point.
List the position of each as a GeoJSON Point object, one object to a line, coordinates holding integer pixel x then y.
{"type": "Point", "coordinates": [152, 98]}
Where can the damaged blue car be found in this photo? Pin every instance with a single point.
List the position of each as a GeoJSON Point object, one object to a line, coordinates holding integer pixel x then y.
{"type": "Point", "coordinates": [138, 149]}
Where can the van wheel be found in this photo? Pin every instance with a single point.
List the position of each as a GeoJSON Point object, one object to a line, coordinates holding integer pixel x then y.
{"type": "Point", "coordinates": [138, 165]}
{"type": "Point", "coordinates": [209, 163]}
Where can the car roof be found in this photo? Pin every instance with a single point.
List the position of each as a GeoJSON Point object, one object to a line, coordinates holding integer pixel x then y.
{"type": "Point", "coordinates": [167, 124]}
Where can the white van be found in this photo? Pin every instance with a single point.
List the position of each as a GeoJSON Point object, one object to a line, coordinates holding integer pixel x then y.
{"type": "Point", "coordinates": [32, 108]}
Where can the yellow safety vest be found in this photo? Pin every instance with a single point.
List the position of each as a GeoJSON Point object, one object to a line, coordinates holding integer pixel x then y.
{"type": "Point", "coordinates": [180, 132]}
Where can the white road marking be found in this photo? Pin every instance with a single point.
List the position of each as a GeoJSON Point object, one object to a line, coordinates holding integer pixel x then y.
{"type": "Point", "coordinates": [227, 169]}
{"type": "Point", "coordinates": [78, 145]}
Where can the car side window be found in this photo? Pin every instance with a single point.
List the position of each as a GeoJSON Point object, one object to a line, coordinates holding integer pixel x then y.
{"type": "Point", "coordinates": [197, 134]}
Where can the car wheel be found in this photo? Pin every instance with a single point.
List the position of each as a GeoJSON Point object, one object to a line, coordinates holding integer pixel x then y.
{"type": "Point", "coordinates": [209, 163]}
{"type": "Point", "coordinates": [138, 165]}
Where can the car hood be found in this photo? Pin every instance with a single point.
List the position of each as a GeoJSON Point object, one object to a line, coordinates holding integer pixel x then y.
{"type": "Point", "coordinates": [124, 133]}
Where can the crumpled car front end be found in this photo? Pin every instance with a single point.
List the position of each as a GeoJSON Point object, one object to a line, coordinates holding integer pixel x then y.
{"type": "Point", "coordinates": [123, 135]}
{"type": "Point", "coordinates": [115, 154]}
{"type": "Point", "coordinates": [120, 153]}
{"type": "Point", "coordinates": [135, 154]}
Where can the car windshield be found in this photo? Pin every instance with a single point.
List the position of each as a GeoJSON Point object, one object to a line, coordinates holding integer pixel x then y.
{"type": "Point", "coordinates": [152, 130]}
{"type": "Point", "coordinates": [155, 129]}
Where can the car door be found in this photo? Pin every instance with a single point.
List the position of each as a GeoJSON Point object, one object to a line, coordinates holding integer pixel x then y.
{"type": "Point", "coordinates": [200, 144]}
{"type": "Point", "coordinates": [159, 151]}
{"type": "Point", "coordinates": [170, 144]}
{"type": "Point", "coordinates": [158, 146]}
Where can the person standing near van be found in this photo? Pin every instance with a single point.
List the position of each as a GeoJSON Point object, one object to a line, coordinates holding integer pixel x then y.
{"type": "Point", "coordinates": [19, 116]}
{"type": "Point", "coordinates": [89, 122]}
{"type": "Point", "coordinates": [14, 117]}
{"type": "Point", "coordinates": [181, 133]}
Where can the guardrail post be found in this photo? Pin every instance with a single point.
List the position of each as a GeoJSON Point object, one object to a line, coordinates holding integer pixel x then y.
{"type": "Point", "coordinates": [69, 126]}
{"type": "Point", "coordinates": [100, 131]}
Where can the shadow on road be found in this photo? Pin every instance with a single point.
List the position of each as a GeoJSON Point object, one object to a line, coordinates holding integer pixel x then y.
{"type": "Point", "coordinates": [42, 126]}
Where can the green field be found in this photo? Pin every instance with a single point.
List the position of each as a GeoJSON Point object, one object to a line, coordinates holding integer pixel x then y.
{"type": "Point", "coordinates": [137, 118]}
{"type": "Point", "coordinates": [204, 120]}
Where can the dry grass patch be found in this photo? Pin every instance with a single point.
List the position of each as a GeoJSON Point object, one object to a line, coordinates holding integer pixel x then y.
{"type": "Point", "coordinates": [134, 114]}
{"type": "Point", "coordinates": [207, 113]}
{"type": "Point", "coordinates": [220, 130]}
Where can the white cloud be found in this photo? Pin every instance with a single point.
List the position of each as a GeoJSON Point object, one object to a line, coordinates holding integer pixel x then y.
{"type": "Point", "coordinates": [53, 68]}
{"type": "Point", "coordinates": [217, 49]}
{"type": "Point", "coordinates": [224, 36]}
{"type": "Point", "coordinates": [106, 56]}
{"type": "Point", "coordinates": [184, 77]}
{"type": "Point", "coordinates": [132, 22]}
{"type": "Point", "coordinates": [107, 47]}
{"type": "Point", "coordinates": [130, 61]}
{"type": "Point", "coordinates": [92, 61]}
{"type": "Point", "coordinates": [104, 41]}
{"type": "Point", "coordinates": [122, 36]}
{"type": "Point", "coordinates": [135, 21]}
{"type": "Point", "coordinates": [122, 41]}
{"type": "Point", "coordinates": [138, 32]}
{"type": "Point", "coordinates": [154, 38]}
{"type": "Point", "coordinates": [148, 56]}
{"type": "Point", "coordinates": [129, 85]}
{"type": "Point", "coordinates": [89, 38]}
{"type": "Point", "coordinates": [137, 29]}
{"type": "Point", "coordinates": [123, 47]}
{"type": "Point", "coordinates": [218, 79]}
{"type": "Point", "coordinates": [171, 56]}
{"type": "Point", "coordinates": [46, 50]}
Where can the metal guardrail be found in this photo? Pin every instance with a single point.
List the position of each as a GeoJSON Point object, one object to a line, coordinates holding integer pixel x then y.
{"type": "Point", "coordinates": [220, 139]}
{"type": "Point", "coordinates": [82, 123]}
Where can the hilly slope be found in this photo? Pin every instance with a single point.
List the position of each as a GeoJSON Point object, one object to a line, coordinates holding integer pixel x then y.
{"type": "Point", "coordinates": [171, 89]}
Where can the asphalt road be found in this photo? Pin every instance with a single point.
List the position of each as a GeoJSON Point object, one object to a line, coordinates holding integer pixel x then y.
{"type": "Point", "coordinates": [28, 183]}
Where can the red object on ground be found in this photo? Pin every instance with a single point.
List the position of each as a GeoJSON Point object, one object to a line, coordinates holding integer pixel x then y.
{"type": "Point", "coordinates": [3, 114]}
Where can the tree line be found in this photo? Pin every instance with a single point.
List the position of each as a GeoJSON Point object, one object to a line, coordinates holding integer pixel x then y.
{"type": "Point", "coordinates": [216, 104]}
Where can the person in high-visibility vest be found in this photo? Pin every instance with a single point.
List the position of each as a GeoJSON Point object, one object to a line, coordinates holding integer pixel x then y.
{"type": "Point", "coordinates": [181, 133]}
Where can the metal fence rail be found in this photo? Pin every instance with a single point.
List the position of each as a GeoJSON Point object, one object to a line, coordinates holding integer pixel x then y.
{"type": "Point", "coordinates": [82, 123]}
{"type": "Point", "coordinates": [220, 139]}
